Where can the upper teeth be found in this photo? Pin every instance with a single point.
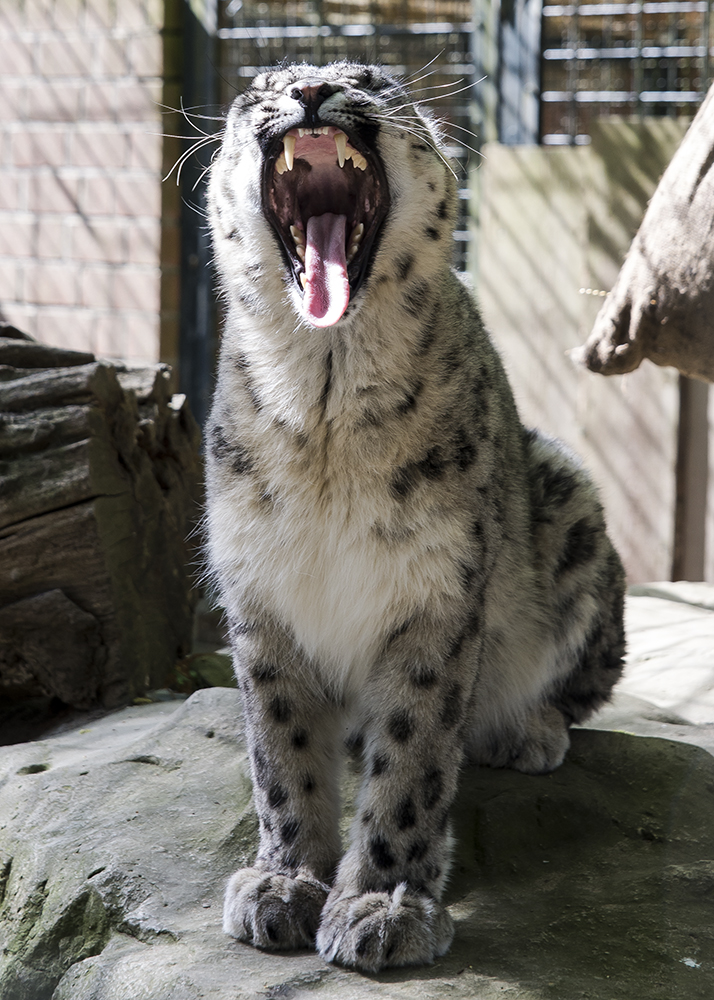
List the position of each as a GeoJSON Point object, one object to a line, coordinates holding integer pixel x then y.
{"type": "Point", "coordinates": [289, 150]}
{"type": "Point", "coordinates": [344, 150]}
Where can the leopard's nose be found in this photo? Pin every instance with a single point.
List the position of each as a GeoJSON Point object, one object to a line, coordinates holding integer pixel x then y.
{"type": "Point", "coordinates": [311, 93]}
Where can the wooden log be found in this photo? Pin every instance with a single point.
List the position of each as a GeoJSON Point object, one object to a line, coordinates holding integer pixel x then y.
{"type": "Point", "coordinates": [46, 427]}
{"type": "Point", "coordinates": [61, 551]}
{"type": "Point", "coordinates": [48, 643]}
{"type": "Point", "coordinates": [53, 387]}
{"type": "Point", "coordinates": [30, 354]}
{"type": "Point", "coordinates": [8, 330]}
{"type": "Point", "coordinates": [99, 478]}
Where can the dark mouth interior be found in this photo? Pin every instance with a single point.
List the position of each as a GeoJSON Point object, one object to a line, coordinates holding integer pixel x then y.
{"type": "Point", "coordinates": [316, 184]}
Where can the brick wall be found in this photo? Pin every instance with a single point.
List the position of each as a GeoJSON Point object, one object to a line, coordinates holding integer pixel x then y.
{"type": "Point", "coordinates": [89, 238]}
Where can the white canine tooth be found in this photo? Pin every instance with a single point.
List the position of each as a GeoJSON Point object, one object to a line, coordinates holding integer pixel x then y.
{"type": "Point", "coordinates": [289, 150]}
{"type": "Point", "coordinates": [280, 164]}
{"type": "Point", "coordinates": [357, 233]}
{"type": "Point", "coordinates": [341, 144]}
{"type": "Point", "coordinates": [297, 235]}
{"type": "Point", "coordinates": [303, 279]}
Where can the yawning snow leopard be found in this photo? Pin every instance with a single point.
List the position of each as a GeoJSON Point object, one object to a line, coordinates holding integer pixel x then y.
{"type": "Point", "coordinates": [403, 565]}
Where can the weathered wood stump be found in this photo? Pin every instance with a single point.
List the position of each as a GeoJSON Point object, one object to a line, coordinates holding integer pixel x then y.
{"type": "Point", "coordinates": [99, 481]}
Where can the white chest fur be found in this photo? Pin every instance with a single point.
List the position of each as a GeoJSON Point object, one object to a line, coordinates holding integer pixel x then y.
{"type": "Point", "coordinates": [318, 561]}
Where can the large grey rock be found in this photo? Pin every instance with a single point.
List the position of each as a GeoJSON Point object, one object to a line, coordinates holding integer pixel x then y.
{"type": "Point", "coordinates": [596, 881]}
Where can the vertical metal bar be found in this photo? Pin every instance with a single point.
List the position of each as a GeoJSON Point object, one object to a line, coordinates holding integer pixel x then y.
{"type": "Point", "coordinates": [573, 77]}
{"type": "Point", "coordinates": [639, 67]}
{"type": "Point", "coordinates": [691, 480]}
{"type": "Point", "coordinates": [197, 332]}
{"type": "Point", "coordinates": [706, 68]}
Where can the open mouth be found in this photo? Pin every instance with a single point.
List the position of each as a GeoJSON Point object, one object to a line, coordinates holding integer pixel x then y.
{"type": "Point", "coordinates": [326, 196]}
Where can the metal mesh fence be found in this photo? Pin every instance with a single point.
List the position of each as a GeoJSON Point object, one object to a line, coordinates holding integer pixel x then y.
{"type": "Point", "coordinates": [621, 59]}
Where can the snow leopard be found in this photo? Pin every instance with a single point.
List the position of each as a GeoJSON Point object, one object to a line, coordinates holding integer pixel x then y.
{"type": "Point", "coordinates": [405, 568]}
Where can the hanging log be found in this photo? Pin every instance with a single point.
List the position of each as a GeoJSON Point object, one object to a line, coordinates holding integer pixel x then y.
{"type": "Point", "coordinates": [99, 481]}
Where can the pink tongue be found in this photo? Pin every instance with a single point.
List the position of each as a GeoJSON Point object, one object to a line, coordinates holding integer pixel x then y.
{"type": "Point", "coordinates": [327, 289]}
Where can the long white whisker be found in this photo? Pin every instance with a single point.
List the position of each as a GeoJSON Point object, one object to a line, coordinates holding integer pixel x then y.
{"type": "Point", "coordinates": [199, 144]}
{"type": "Point", "coordinates": [187, 112]}
{"type": "Point", "coordinates": [445, 127]}
{"type": "Point", "coordinates": [410, 81]}
{"type": "Point", "coordinates": [192, 124]}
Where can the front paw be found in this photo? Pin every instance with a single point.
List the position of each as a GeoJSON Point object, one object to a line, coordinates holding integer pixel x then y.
{"type": "Point", "coordinates": [273, 911]}
{"type": "Point", "coordinates": [380, 929]}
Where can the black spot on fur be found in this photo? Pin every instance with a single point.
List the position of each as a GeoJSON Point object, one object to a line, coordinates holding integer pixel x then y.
{"type": "Point", "coordinates": [427, 337]}
{"type": "Point", "coordinates": [277, 796]}
{"type": "Point", "coordinates": [265, 497]}
{"type": "Point", "coordinates": [243, 367]}
{"type": "Point", "coordinates": [380, 765]}
{"type": "Point", "coordinates": [381, 852]}
{"type": "Point", "coordinates": [328, 382]}
{"type": "Point", "coordinates": [410, 400]}
{"type": "Point", "coordinates": [473, 625]}
{"type": "Point", "coordinates": [367, 817]}
{"type": "Point", "coordinates": [404, 481]}
{"type": "Point", "coordinates": [299, 739]}
{"type": "Point", "coordinates": [365, 943]}
{"type": "Point", "coordinates": [354, 744]}
{"type": "Point", "coordinates": [405, 815]}
{"type": "Point", "coordinates": [263, 672]}
{"type": "Point", "coordinates": [309, 784]}
{"type": "Point", "coordinates": [400, 725]}
{"type": "Point", "coordinates": [433, 787]}
{"type": "Point", "coordinates": [415, 297]}
{"type": "Point", "coordinates": [289, 831]}
{"type": "Point", "coordinates": [224, 452]}
{"type": "Point", "coordinates": [580, 545]}
{"type": "Point", "coordinates": [557, 485]}
{"type": "Point", "coordinates": [433, 465]}
{"type": "Point", "coordinates": [451, 711]}
{"type": "Point", "coordinates": [441, 210]}
{"type": "Point", "coordinates": [400, 629]}
{"type": "Point", "coordinates": [407, 478]}
{"type": "Point", "coordinates": [404, 265]}
{"type": "Point", "coordinates": [280, 709]}
{"type": "Point", "coordinates": [432, 233]}
{"type": "Point", "coordinates": [241, 628]}
{"type": "Point", "coordinates": [455, 648]}
{"type": "Point", "coordinates": [467, 574]}
{"type": "Point", "coordinates": [422, 676]}
{"type": "Point", "coordinates": [432, 186]}
{"type": "Point", "coordinates": [417, 850]}
{"type": "Point", "coordinates": [452, 360]}
{"type": "Point", "coordinates": [464, 451]}
{"type": "Point", "coordinates": [262, 771]}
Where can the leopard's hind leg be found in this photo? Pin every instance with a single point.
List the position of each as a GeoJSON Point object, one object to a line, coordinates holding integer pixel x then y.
{"type": "Point", "coordinates": [581, 576]}
{"type": "Point", "coordinates": [580, 590]}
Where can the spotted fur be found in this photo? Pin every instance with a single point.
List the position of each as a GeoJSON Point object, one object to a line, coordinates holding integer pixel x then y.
{"type": "Point", "coordinates": [395, 552]}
